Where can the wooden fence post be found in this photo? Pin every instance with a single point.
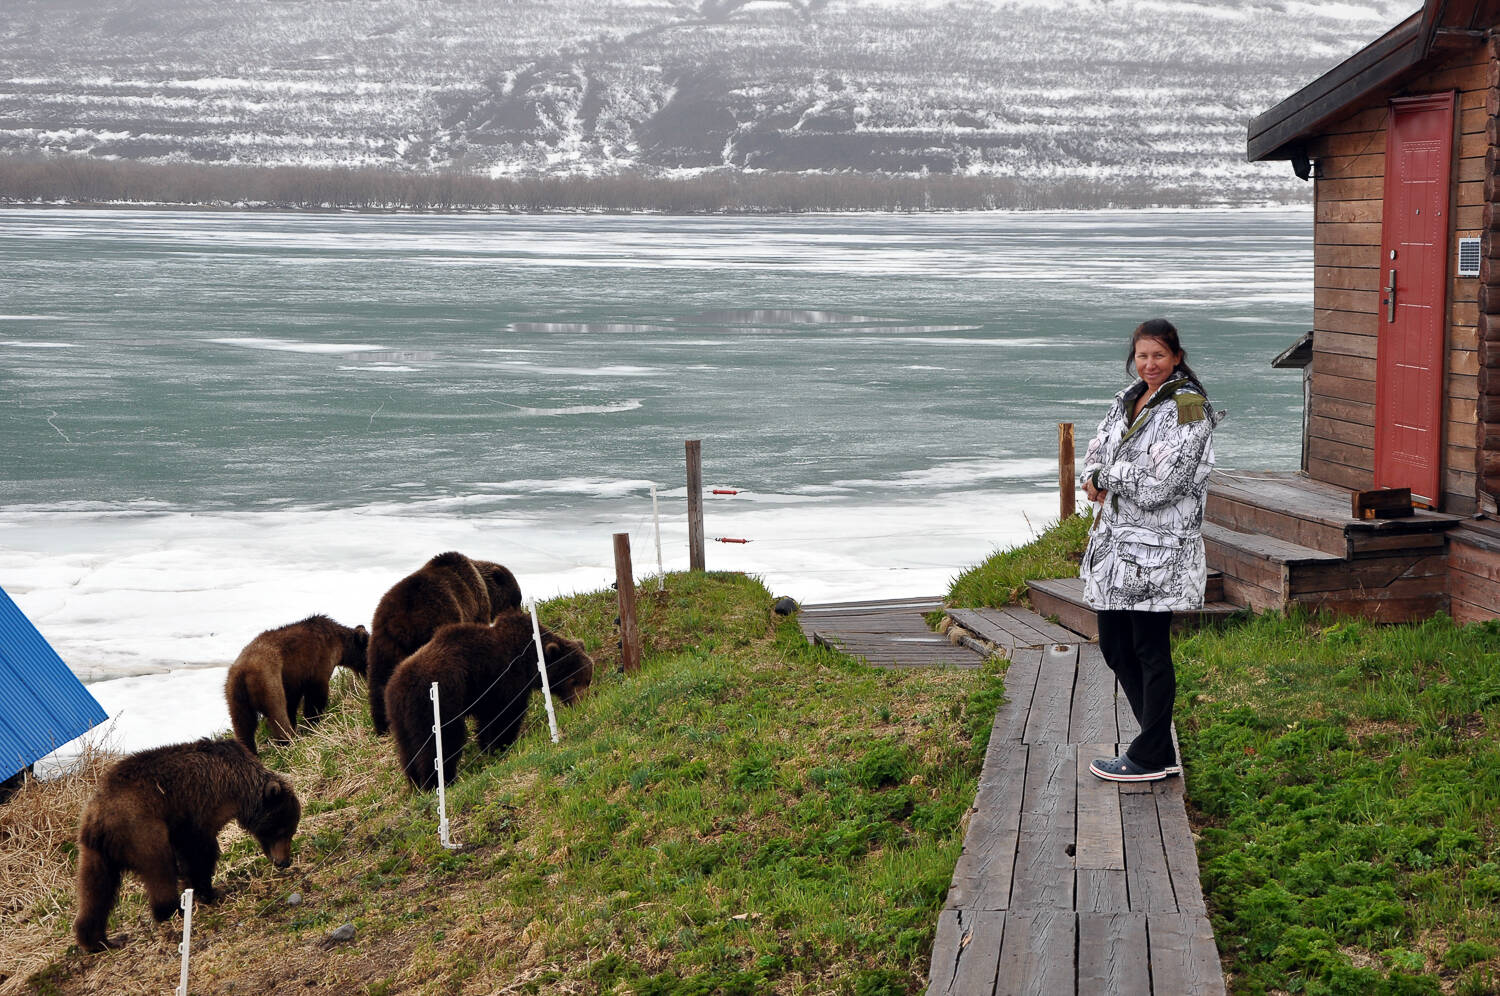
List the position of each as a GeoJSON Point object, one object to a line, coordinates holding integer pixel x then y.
{"type": "Point", "coordinates": [1065, 472]}
{"type": "Point", "coordinates": [630, 632]}
{"type": "Point", "coordinates": [695, 504]}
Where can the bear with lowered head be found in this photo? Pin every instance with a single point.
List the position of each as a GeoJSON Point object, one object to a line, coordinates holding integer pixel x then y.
{"type": "Point", "coordinates": [449, 588]}
{"type": "Point", "coordinates": [158, 813]}
{"type": "Point", "coordinates": [487, 672]}
{"type": "Point", "coordinates": [286, 669]}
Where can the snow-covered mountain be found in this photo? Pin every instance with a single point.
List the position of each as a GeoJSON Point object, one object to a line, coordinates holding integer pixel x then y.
{"type": "Point", "coordinates": [1154, 93]}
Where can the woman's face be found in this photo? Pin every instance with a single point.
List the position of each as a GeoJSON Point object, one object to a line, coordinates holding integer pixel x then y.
{"type": "Point", "coordinates": [1154, 362]}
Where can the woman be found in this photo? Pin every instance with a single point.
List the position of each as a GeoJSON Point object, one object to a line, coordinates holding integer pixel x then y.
{"type": "Point", "coordinates": [1148, 466]}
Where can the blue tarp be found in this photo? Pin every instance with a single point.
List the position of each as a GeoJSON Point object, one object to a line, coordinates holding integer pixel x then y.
{"type": "Point", "coordinates": [42, 704]}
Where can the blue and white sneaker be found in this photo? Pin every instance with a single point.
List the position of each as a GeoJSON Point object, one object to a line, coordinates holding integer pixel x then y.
{"type": "Point", "coordinates": [1123, 769]}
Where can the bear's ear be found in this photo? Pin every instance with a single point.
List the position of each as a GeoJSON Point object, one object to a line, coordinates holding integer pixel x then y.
{"type": "Point", "coordinates": [551, 649]}
{"type": "Point", "coordinates": [274, 790]}
{"type": "Point", "coordinates": [361, 631]}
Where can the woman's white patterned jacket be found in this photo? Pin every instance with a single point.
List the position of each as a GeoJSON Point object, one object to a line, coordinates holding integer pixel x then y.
{"type": "Point", "coordinates": [1146, 551]}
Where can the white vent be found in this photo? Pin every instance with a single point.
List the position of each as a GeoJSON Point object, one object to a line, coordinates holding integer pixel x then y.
{"type": "Point", "coordinates": [1468, 257]}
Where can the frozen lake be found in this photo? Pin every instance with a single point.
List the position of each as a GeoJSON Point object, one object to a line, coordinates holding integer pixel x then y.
{"type": "Point", "coordinates": [216, 423]}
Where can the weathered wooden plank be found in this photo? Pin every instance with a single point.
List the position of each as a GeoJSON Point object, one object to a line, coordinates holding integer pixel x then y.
{"type": "Point", "coordinates": [1351, 188]}
{"type": "Point", "coordinates": [1044, 865]}
{"type": "Point", "coordinates": [1353, 478]}
{"type": "Point", "coordinates": [1345, 388]}
{"type": "Point", "coordinates": [1344, 411]}
{"type": "Point", "coordinates": [920, 604]}
{"type": "Point", "coordinates": [1353, 433]}
{"type": "Point", "coordinates": [1367, 257]}
{"type": "Point", "coordinates": [1336, 210]}
{"type": "Point", "coordinates": [1052, 703]}
{"type": "Point", "coordinates": [1145, 857]}
{"type": "Point", "coordinates": [1093, 716]}
{"type": "Point", "coordinates": [1344, 364]}
{"type": "Point", "coordinates": [1112, 955]}
{"type": "Point", "coordinates": [1348, 454]}
{"type": "Point", "coordinates": [1369, 163]}
{"type": "Point", "coordinates": [1347, 234]}
{"type": "Point", "coordinates": [1051, 790]}
{"type": "Point", "coordinates": [1100, 838]}
{"type": "Point", "coordinates": [966, 953]}
{"type": "Point", "coordinates": [1048, 629]}
{"type": "Point", "coordinates": [1044, 871]}
{"type": "Point", "coordinates": [1327, 319]}
{"type": "Point", "coordinates": [1011, 627]}
{"type": "Point", "coordinates": [983, 874]}
{"type": "Point", "coordinates": [1020, 688]}
{"type": "Point", "coordinates": [1181, 852]}
{"type": "Point", "coordinates": [1183, 956]}
{"type": "Point", "coordinates": [1101, 890]}
{"type": "Point", "coordinates": [1037, 954]}
{"type": "Point", "coordinates": [1365, 574]}
{"type": "Point", "coordinates": [1359, 301]}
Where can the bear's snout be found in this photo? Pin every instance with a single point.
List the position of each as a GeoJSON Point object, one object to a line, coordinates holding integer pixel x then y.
{"type": "Point", "coordinates": [280, 853]}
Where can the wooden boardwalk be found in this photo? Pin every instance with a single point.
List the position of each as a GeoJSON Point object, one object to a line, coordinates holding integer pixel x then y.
{"type": "Point", "coordinates": [885, 632]}
{"type": "Point", "coordinates": [1067, 885]}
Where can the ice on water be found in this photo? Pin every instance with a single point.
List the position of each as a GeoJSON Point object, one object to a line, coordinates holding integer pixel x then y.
{"type": "Point", "coordinates": [203, 442]}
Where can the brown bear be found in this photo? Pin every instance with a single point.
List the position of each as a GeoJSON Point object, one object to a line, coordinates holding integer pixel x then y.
{"type": "Point", "coordinates": [449, 588]}
{"type": "Point", "coordinates": [487, 672]}
{"type": "Point", "coordinates": [159, 813]}
{"type": "Point", "coordinates": [285, 669]}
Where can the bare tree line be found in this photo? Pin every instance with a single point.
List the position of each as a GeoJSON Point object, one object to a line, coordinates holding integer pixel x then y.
{"type": "Point", "coordinates": [78, 180]}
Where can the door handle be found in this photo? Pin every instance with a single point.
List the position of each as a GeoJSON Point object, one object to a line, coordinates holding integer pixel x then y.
{"type": "Point", "coordinates": [1390, 298]}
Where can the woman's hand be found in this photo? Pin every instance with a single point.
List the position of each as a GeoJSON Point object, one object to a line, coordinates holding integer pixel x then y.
{"type": "Point", "coordinates": [1095, 494]}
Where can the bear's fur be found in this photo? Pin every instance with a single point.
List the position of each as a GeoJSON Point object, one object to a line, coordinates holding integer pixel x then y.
{"type": "Point", "coordinates": [487, 672]}
{"type": "Point", "coordinates": [285, 669]}
{"type": "Point", "coordinates": [449, 588]}
{"type": "Point", "coordinates": [159, 812]}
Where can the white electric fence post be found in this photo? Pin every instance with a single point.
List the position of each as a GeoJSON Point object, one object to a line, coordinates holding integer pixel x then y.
{"type": "Point", "coordinates": [187, 940]}
{"type": "Point", "coordinates": [437, 733]}
{"type": "Point", "coordinates": [541, 665]}
{"type": "Point", "coordinates": [661, 572]}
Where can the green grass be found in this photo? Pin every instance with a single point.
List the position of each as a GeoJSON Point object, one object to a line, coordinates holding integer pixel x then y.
{"type": "Point", "coordinates": [1345, 778]}
{"type": "Point", "coordinates": [1344, 781]}
{"type": "Point", "coordinates": [1001, 578]}
{"type": "Point", "coordinates": [745, 814]}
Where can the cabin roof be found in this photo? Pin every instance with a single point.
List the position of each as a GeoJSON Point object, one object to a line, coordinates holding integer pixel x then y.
{"type": "Point", "coordinates": [44, 705]}
{"type": "Point", "coordinates": [1401, 52]}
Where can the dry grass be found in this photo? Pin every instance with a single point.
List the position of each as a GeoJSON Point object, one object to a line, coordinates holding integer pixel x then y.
{"type": "Point", "coordinates": [38, 827]}
{"type": "Point", "coordinates": [713, 818]}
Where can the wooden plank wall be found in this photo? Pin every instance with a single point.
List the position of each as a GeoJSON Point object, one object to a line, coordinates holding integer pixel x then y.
{"type": "Point", "coordinates": [1348, 191]}
{"type": "Point", "coordinates": [1488, 428]}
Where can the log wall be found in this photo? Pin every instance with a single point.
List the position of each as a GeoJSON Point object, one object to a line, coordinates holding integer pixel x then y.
{"type": "Point", "coordinates": [1348, 192]}
{"type": "Point", "coordinates": [1487, 430]}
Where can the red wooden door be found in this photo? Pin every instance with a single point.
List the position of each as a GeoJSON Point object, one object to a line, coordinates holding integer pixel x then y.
{"type": "Point", "coordinates": [1413, 301]}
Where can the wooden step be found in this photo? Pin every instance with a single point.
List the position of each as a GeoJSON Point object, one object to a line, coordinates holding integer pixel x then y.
{"type": "Point", "coordinates": [1313, 514]}
{"type": "Point", "coordinates": [1257, 568]}
{"type": "Point", "coordinates": [1270, 574]}
{"type": "Point", "coordinates": [1062, 598]}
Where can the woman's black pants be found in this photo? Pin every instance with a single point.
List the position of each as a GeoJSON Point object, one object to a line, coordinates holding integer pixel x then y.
{"type": "Point", "coordinates": [1137, 646]}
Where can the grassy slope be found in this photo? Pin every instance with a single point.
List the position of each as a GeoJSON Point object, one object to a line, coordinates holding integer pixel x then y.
{"type": "Point", "coordinates": [746, 814]}
{"type": "Point", "coordinates": [1344, 780]}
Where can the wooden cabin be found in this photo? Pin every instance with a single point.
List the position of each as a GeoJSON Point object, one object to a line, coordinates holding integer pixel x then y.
{"type": "Point", "coordinates": [1402, 148]}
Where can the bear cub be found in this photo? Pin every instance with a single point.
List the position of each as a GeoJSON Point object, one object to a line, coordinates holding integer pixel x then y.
{"type": "Point", "coordinates": [487, 672]}
{"type": "Point", "coordinates": [285, 669]}
{"type": "Point", "coordinates": [158, 813]}
{"type": "Point", "coordinates": [449, 588]}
